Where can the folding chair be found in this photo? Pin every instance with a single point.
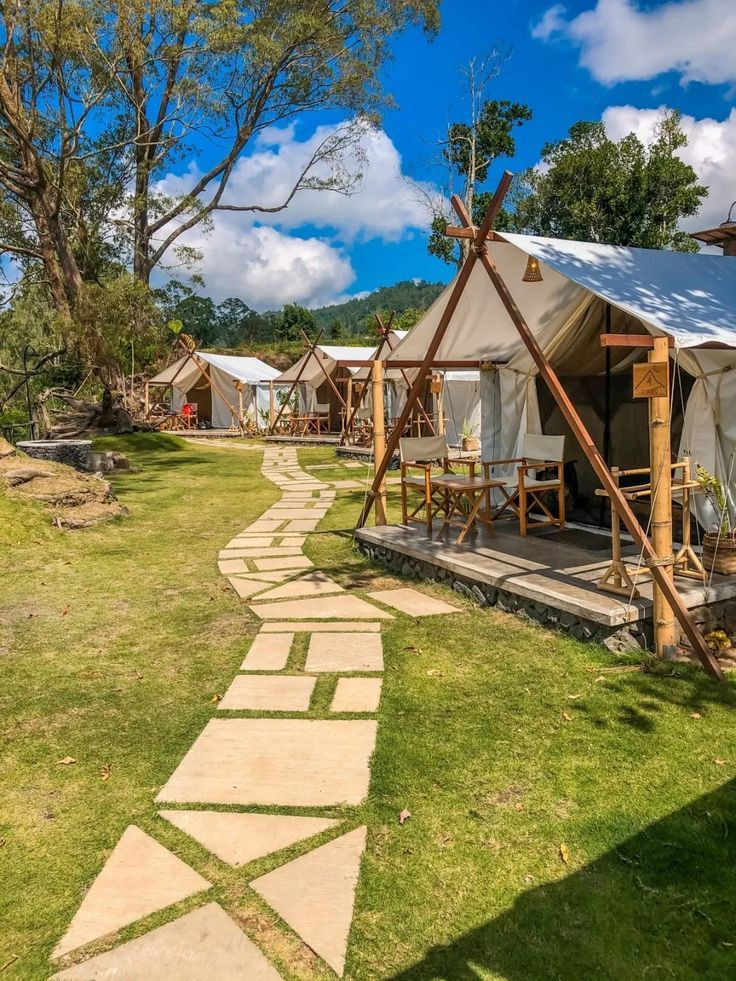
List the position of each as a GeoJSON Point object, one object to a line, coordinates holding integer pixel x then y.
{"type": "Point", "coordinates": [363, 426]}
{"type": "Point", "coordinates": [421, 453]}
{"type": "Point", "coordinates": [321, 416]}
{"type": "Point", "coordinates": [524, 488]}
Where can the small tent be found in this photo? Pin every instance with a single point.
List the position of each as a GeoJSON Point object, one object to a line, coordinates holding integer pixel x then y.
{"type": "Point", "coordinates": [587, 290]}
{"type": "Point", "coordinates": [312, 371]}
{"type": "Point", "coordinates": [211, 381]}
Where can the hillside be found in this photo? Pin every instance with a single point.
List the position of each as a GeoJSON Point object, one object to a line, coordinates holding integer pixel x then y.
{"type": "Point", "coordinates": [399, 297]}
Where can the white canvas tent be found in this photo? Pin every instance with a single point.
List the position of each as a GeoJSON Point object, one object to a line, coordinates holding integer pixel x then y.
{"type": "Point", "coordinates": [312, 370]}
{"type": "Point", "coordinates": [461, 405]}
{"type": "Point", "coordinates": [691, 298]}
{"type": "Point", "coordinates": [217, 396]}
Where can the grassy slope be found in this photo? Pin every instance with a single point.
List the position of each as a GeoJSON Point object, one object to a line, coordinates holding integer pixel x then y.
{"type": "Point", "coordinates": [473, 740]}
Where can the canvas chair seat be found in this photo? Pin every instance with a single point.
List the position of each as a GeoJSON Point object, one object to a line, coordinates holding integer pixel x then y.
{"type": "Point", "coordinates": [422, 454]}
{"type": "Point", "coordinates": [522, 489]}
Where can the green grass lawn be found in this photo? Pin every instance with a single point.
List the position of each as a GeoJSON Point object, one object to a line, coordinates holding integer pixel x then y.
{"type": "Point", "coordinates": [504, 741]}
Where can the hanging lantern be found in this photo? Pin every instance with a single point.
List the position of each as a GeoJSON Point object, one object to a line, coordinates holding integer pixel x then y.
{"type": "Point", "coordinates": [532, 273]}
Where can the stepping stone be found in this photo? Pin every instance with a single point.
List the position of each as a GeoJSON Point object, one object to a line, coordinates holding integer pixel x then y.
{"type": "Point", "coordinates": [271, 552]}
{"type": "Point", "coordinates": [268, 653]}
{"type": "Point", "coordinates": [302, 525]}
{"type": "Point", "coordinates": [313, 584]}
{"type": "Point", "coordinates": [227, 566]}
{"type": "Point", "coordinates": [292, 541]}
{"type": "Point", "coordinates": [296, 562]}
{"type": "Point", "coordinates": [268, 693]}
{"type": "Point", "coordinates": [413, 602]}
{"type": "Point", "coordinates": [347, 484]}
{"type": "Point", "coordinates": [315, 895]}
{"type": "Point", "coordinates": [354, 464]}
{"type": "Point", "coordinates": [344, 652]}
{"type": "Point", "coordinates": [333, 608]}
{"type": "Point", "coordinates": [306, 626]}
{"type": "Point", "coordinates": [205, 943]}
{"type": "Point", "coordinates": [307, 514]}
{"type": "Point", "coordinates": [254, 542]}
{"type": "Point", "coordinates": [276, 762]}
{"type": "Point", "coordinates": [246, 587]}
{"type": "Point", "coordinates": [241, 838]}
{"type": "Point", "coordinates": [357, 695]}
{"type": "Point", "coordinates": [139, 878]}
{"type": "Point", "coordinates": [261, 526]}
{"type": "Point", "coordinates": [276, 575]}
{"type": "Point", "coordinates": [292, 501]}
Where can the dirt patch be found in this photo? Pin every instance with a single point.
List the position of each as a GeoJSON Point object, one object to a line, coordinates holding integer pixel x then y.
{"type": "Point", "coordinates": [75, 500]}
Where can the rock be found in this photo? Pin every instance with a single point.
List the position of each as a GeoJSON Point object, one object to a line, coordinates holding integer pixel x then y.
{"type": "Point", "coordinates": [22, 475]}
{"type": "Point", "coordinates": [6, 448]}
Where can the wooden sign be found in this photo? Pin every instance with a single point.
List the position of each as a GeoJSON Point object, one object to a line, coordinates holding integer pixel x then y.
{"type": "Point", "coordinates": [651, 381]}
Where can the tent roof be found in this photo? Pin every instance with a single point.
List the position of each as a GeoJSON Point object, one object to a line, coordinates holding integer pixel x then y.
{"type": "Point", "coordinates": [248, 370]}
{"type": "Point", "coordinates": [691, 297]}
{"type": "Point", "coordinates": [328, 355]}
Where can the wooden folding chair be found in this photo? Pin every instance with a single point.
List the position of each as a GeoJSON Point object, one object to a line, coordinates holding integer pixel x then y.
{"type": "Point", "coordinates": [421, 454]}
{"type": "Point", "coordinates": [523, 488]}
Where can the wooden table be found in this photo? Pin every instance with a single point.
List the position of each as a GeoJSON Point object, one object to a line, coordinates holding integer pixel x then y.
{"type": "Point", "coordinates": [473, 490]}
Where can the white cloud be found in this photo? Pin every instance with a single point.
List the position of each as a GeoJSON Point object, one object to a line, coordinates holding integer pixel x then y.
{"type": "Point", "coordinates": [711, 152]}
{"type": "Point", "coordinates": [620, 40]}
{"type": "Point", "coordinates": [251, 254]}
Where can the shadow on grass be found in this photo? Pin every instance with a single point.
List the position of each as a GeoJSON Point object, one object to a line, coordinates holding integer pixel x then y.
{"type": "Point", "coordinates": [660, 905]}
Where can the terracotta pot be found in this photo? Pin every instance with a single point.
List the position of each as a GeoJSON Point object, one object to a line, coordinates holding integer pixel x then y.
{"type": "Point", "coordinates": [719, 554]}
{"type": "Point", "coordinates": [471, 444]}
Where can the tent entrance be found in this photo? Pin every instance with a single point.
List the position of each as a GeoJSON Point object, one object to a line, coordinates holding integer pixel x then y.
{"type": "Point", "coordinates": [201, 396]}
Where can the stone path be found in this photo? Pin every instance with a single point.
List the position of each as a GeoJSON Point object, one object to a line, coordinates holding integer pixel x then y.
{"type": "Point", "coordinates": [292, 758]}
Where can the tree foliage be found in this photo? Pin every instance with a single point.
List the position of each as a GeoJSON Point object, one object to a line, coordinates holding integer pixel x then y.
{"type": "Point", "coordinates": [595, 189]}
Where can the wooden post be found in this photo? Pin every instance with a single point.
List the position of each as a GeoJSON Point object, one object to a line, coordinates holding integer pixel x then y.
{"type": "Point", "coordinates": [440, 402]}
{"type": "Point", "coordinates": [146, 400]}
{"type": "Point", "coordinates": [271, 406]}
{"type": "Point", "coordinates": [348, 408]}
{"type": "Point", "coordinates": [239, 390]}
{"type": "Point", "coordinates": [311, 350]}
{"type": "Point", "coordinates": [379, 440]}
{"type": "Point", "coordinates": [660, 459]}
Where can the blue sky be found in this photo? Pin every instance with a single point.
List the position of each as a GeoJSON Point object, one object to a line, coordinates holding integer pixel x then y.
{"type": "Point", "coordinates": [619, 60]}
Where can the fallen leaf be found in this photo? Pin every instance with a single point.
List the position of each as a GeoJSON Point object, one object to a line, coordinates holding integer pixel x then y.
{"type": "Point", "coordinates": [106, 771]}
{"type": "Point", "coordinates": [216, 698]}
{"type": "Point", "coordinates": [599, 678]}
{"type": "Point", "coordinates": [413, 649]}
{"type": "Point", "coordinates": [695, 715]}
{"type": "Point", "coordinates": [567, 717]}
{"type": "Point", "coordinates": [67, 760]}
{"type": "Point", "coordinates": [433, 671]}
{"type": "Point", "coordinates": [719, 761]}
{"type": "Point", "coordinates": [565, 854]}
{"type": "Point", "coordinates": [404, 816]}
{"type": "Point", "coordinates": [65, 611]}
{"type": "Point", "coordinates": [573, 697]}
{"type": "Point", "coordinates": [518, 807]}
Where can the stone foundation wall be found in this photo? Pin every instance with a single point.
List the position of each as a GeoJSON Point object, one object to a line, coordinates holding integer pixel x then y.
{"type": "Point", "coordinates": [632, 637]}
{"type": "Point", "coordinates": [72, 452]}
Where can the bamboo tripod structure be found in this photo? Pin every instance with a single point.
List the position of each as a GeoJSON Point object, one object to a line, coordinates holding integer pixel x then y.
{"type": "Point", "coordinates": [478, 252]}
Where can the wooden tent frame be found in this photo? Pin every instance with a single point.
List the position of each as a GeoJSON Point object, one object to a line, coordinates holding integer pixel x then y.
{"type": "Point", "coordinates": [311, 350]}
{"type": "Point", "coordinates": [478, 252]}
{"type": "Point", "coordinates": [191, 355]}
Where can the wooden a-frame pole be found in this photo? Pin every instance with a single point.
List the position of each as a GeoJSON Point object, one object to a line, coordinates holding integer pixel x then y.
{"type": "Point", "coordinates": [340, 399]}
{"type": "Point", "coordinates": [452, 302]}
{"type": "Point", "coordinates": [286, 401]}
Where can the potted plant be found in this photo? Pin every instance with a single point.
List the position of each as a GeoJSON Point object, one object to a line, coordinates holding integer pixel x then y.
{"type": "Point", "coordinates": [719, 542]}
{"type": "Point", "coordinates": [470, 442]}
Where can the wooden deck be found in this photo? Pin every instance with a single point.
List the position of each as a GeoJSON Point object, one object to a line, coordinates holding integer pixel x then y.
{"type": "Point", "coordinates": [557, 569]}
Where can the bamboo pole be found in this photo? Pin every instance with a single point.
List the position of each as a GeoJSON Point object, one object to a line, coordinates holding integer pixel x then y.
{"type": "Point", "coordinates": [660, 458]}
{"type": "Point", "coordinates": [239, 390]}
{"type": "Point", "coordinates": [348, 407]}
{"type": "Point", "coordinates": [146, 400]}
{"type": "Point", "coordinates": [379, 439]}
{"type": "Point", "coordinates": [271, 405]}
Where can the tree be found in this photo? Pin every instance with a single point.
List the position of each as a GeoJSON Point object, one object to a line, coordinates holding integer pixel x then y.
{"type": "Point", "coordinates": [98, 96]}
{"type": "Point", "coordinates": [238, 324]}
{"type": "Point", "coordinates": [594, 189]}
{"type": "Point", "coordinates": [294, 320]}
{"type": "Point", "coordinates": [471, 148]}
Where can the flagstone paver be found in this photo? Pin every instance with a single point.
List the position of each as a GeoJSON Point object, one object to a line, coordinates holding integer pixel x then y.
{"type": "Point", "coordinates": [268, 693]}
{"type": "Point", "coordinates": [275, 575]}
{"type": "Point", "coordinates": [347, 484]}
{"type": "Point", "coordinates": [313, 584]}
{"type": "Point", "coordinates": [139, 878]}
{"type": "Point", "coordinates": [250, 542]}
{"type": "Point", "coordinates": [329, 607]}
{"type": "Point", "coordinates": [283, 762]}
{"type": "Point", "coordinates": [268, 653]}
{"type": "Point", "coordinates": [247, 587]}
{"type": "Point", "coordinates": [261, 552]}
{"type": "Point", "coordinates": [344, 652]}
{"type": "Point", "coordinates": [315, 895]}
{"type": "Point", "coordinates": [357, 695]}
{"type": "Point", "coordinates": [205, 943]}
{"type": "Point", "coordinates": [238, 838]}
{"type": "Point", "coordinates": [413, 602]}
{"type": "Point", "coordinates": [286, 562]}
{"type": "Point", "coordinates": [307, 626]}
{"type": "Point", "coordinates": [302, 524]}
{"type": "Point", "coordinates": [226, 566]}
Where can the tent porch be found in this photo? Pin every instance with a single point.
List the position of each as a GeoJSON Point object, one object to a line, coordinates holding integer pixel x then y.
{"type": "Point", "coordinates": [550, 576]}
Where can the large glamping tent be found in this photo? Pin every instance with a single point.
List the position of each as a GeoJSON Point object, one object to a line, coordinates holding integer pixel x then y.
{"type": "Point", "coordinates": [587, 290]}
{"type": "Point", "coordinates": [211, 381]}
